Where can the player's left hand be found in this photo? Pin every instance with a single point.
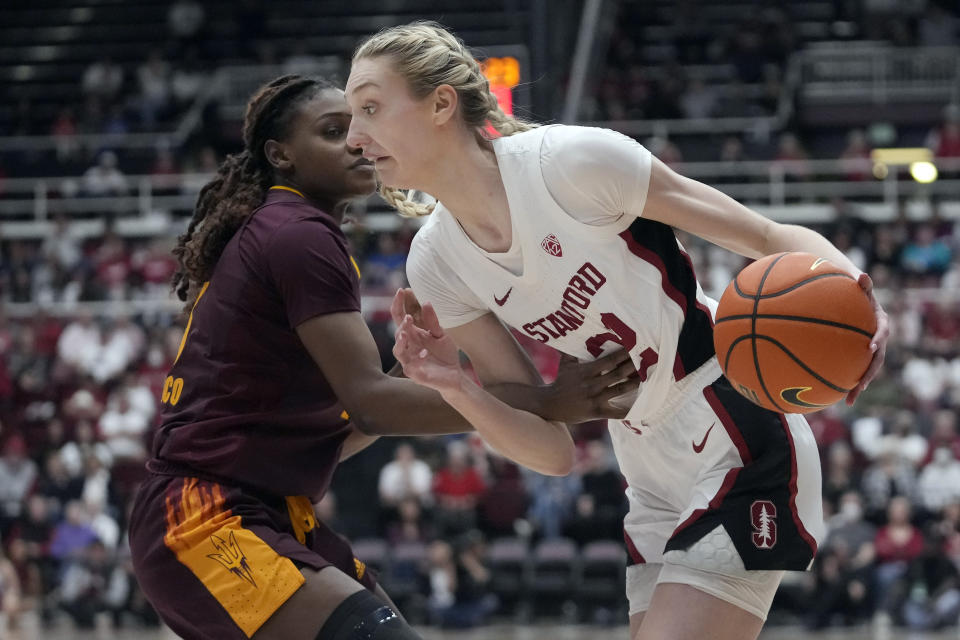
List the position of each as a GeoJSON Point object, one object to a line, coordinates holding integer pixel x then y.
{"type": "Point", "coordinates": [878, 344]}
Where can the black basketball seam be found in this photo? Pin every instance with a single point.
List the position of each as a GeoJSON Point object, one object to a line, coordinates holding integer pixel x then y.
{"type": "Point", "coordinates": [736, 287]}
{"type": "Point", "coordinates": [796, 285]}
{"type": "Point", "coordinates": [726, 362]}
{"type": "Point", "coordinates": [802, 364]}
{"type": "Point", "coordinates": [753, 329]}
{"type": "Point", "coordinates": [773, 316]}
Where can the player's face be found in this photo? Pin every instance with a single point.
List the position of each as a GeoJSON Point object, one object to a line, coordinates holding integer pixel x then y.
{"type": "Point", "coordinates": [324, 166]}
{"type": "Point", "coordinates": [391, 126]}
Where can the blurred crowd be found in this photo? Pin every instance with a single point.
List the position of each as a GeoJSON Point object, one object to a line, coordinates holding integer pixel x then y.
{"type": "Point", "coordinates": [79, 395]}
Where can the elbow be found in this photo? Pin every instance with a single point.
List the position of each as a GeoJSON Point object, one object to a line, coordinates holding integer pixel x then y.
{"type": "Point", "coordinates": [562, 463]}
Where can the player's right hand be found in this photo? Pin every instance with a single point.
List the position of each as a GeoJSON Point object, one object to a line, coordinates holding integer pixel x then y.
{"type": "Point", "coordinates": [430, 360]}
{"type": "Point", "coordinates": [583, 391]}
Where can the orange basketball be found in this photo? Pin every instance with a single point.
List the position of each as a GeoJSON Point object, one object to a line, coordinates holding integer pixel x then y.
{"type": "Point", "coordinates": [793, 332]}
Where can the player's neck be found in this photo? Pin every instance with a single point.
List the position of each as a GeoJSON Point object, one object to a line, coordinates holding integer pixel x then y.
{"type": "Point", "coordinates": [470, 187]}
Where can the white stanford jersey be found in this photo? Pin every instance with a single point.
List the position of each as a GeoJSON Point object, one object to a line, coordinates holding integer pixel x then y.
{"type": "Point", "coordinates": [715, 482]}
{"type": "Point", "coordinates": [584, 289]}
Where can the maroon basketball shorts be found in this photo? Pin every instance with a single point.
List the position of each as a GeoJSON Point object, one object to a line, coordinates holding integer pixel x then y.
{"type": "Point", "coordinates": [217, 561]}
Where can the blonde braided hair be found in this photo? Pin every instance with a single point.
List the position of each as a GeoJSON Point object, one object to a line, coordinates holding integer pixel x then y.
{"type": "Point", "coordinates": [428, 55]}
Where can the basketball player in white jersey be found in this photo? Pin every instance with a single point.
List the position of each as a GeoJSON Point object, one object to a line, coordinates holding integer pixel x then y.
{"type": "Point", "coordinates": [565, 233]}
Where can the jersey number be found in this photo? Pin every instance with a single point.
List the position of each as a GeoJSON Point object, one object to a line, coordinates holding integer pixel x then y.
{"type": "Point", "coordinates": [626, 337]}
{"type": "Point", "coordinates": [173, 387]}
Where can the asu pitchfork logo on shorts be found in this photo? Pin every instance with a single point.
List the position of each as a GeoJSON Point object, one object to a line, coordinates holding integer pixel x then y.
{"type": "Point", "coordinates": [231, 557]}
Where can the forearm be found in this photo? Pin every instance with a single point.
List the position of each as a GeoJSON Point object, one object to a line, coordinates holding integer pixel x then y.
{"type": "Point", "coordinates": [525, 397]}
{"type": "Point", "coordinates": [791, 237]}
{"type": "Point", "coordinates": [401, 407]}
{"type": "Point", "coordinates": [519, 435]}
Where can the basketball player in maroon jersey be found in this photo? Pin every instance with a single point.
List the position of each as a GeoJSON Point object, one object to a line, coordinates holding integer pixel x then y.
{"type": "Point", "coordinates": [277, 379]}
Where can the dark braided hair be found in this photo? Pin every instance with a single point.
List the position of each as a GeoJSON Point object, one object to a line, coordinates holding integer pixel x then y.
{"type": "Point", "coordinates": [241, 182]}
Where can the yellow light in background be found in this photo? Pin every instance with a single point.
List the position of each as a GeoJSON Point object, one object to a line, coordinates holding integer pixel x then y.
{"type": "Point", "coordinates": [903, 156]}
{"type": "Point", "coordinates": [880, 171]}
{"type": "Point", "coordinates": [502, 71]}
{"type": "Point", "coordinates": [923, 172]}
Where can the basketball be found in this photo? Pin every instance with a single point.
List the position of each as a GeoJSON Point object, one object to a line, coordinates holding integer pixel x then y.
{"type": "Point", "coordinates": [793, 332]}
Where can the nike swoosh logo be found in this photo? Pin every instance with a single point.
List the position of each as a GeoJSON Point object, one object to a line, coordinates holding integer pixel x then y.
{"type": "Point", "coordinates": [697, 448]}
{"type": "Point", "coordinates": [817, 263]}
{"type": "Point", "coordinates": [502, 301]}
{"type": "Point", "coordinates": [792, 396]}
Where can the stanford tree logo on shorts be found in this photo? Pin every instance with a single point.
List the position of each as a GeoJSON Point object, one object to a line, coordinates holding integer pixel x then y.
{"type": "Point", "coordinates": [763, 517]}
{"type": "Point", "coordinates": [552, 246]}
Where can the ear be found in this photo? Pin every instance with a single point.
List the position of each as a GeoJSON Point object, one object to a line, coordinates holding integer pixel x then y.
{"type": "Point", "coordinates": [445, 101]}
{"type": "Point", "coordinates": [277, 155]}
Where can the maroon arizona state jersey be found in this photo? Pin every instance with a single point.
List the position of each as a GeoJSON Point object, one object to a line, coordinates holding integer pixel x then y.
{"type": "Point", "coordinates": [244, 401]}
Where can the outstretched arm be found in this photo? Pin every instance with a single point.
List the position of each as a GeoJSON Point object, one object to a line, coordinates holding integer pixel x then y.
{"type": "Point", "coordinates": [704, 211]}
{"type": "Point", "coordinates": [431, 357]}
{"type": "Point", "coordinates": [582, 391]}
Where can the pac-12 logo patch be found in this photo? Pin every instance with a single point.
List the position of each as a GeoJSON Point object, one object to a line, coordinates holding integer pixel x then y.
{"type": "Point", "coordinates": [551, 245]}
{"type": "Point", "coordinates": [763, 517]}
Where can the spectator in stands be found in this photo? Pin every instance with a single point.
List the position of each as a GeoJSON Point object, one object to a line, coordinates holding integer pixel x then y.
{"type": "Point", "coordinates": [473, 601]}
{"type": "Point", "coordinates": [456, 488]}
{"type": "Point", "coordinates": [602, 481]}
{"type": "Point", "coordinates": [441, 580]}
{"type": "Point", "coordinates": [897, 544]}
{"type": "Point", "coordinates": [111, 266]}
{"type": "Point", "coordinates": [943, 434]}
{"type": "Point", "coordinates": [185, 20]}
{"type": "Point", "coordinates": [925, 254]}
{"type": "Point", "coordinates": [188, 81]}
{"type": "Point", "coordinates": [103, 524]}
{"type": "Point", "coordinates": [64, 132]}
{"type": "Point", "coordinates": [839, 474]}
{"type": "Point", "coordinates": [552, 499]}
{"type": "Point", "coordinates": [164, 173]}
{"type": "Point", "coordinates": [889, 477]}
{"type": "Point", "coordinates": [104, 179]}
{"type": "Point", "coordinates": [116, 121]}
{"type": "Point", "coordinates": [939, 482]}
{"type": "Point", "coordinates": [62, 245]}
{"type": "Point", "coordinates": [93, 583]}
{"type": "Point", "coordinates": [928, 595]}
{"type": "Point", "coordinates": [937, 27]}
{"type": "Point", "coordinates": [791, 158]}
{"type": "Point", "coordinates": [732, 150]}
{"type": "Point", "coordinates": [385, 260]}
{"type": "Point", "coordinates": [409, 524]}
{"type": "Point", "coordinates": [103, 80]}
{"type": "Point", "coordinates": [855, 158]}
{"type": "Point", "coordinates": [405, 477]}
{"type": "Point", "coordinates": [123, 428]}
{"type": "Point", "coordinates": [17, 476]}
{"type": "Point", "coordinates": [699, 100]}
{"type": "Point", "coordinates": [155, 265]}
{"type": "Point", "coordinates": [942, 324]}
{"type": "Point", "coordinates": [843, 569]}
{"type": "Point", "coordinates": [154, 79]}
{"type": "Point", "coordinates": [72, 534]}
{"type": "Point", "coordinates": [903, 441]}
{"type": "Point", "coordinates": [505, 501]}
{"type": "Point", "coordinates": [57, 484]}
{"type": "Point", "coordinates": [85, 444]}
{"type": "Point", "coordinates": [665, 151]}
{"type": "Point", "coordinates": [848, 527]}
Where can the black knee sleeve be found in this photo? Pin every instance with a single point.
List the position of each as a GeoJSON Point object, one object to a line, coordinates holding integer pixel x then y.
{"type": "Point", "coordinates": [364, 616]}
